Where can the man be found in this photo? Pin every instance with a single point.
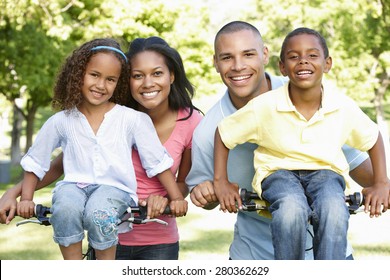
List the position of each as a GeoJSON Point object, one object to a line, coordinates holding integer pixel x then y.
{"type": "Point", "coordinates": [240, 57]}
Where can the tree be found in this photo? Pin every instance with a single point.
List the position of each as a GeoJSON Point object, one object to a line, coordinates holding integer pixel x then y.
{"type": "Point", "coordinates": [28, 64]}
{"type": "Point", "coordinates": [36, 35]}
{"type": "Point", "coordinates": [33, 43]}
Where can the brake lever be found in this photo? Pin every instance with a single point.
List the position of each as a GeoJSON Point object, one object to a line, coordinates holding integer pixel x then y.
{"type": "Point", "coordinates": [28, 222]}
{"type": "Point", "coordinates": [137, 220]}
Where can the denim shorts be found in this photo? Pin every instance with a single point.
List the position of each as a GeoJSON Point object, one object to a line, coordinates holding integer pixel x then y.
{"type": "Point", "coordinates": [96, 209]}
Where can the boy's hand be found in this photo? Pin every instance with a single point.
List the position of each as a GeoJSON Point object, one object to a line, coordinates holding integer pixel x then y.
{"type": "Point", "coordinates": [179, 207]}
{"type": "Point", "coordinates": [25, 209]}
{"type": "Point", "coordinates": [227, 194]}
{"type": "Point", "coordinates": [203, 195]}
{"type": "Point", "coordinates": [376, 197]}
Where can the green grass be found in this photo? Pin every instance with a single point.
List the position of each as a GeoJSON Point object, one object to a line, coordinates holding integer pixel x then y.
{"type": "Point", "coordinates": [34, 242]}
{"type": "Point", "coordinates": [30, 241]}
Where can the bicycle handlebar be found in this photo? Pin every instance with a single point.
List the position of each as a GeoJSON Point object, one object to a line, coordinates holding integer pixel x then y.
{"type": "Point", "coordinates": [42, 212]}
{"type": "Point", "coordinates": [142, 212]}
{"type": "Point", "coordinates": [354, 201]}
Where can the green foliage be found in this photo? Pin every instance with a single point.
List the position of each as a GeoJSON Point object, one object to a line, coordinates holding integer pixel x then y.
{"type": "Point", "coordinates": [357, 32]}
{"type": "Point", "coordinates": [36, 36]}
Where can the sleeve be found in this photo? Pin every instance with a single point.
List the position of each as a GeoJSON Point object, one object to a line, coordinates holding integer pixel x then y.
{"type": "Point", "coordinates": [364, 133]}
{"type": "Point", "coordinates": [37, 159]}
{"type": "Point", "coordinates": [154, 157]}
{"type": "Point", "coordinates": [240, 127]}
{"type": "Point", "coordinates": [354, 157]}
{"type": "Point", "coordinates": [194, 121]}
{"type": "Point", "coordinates": [202, 156]}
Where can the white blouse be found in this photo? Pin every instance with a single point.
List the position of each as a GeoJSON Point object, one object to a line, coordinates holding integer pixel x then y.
{"type": "Point", "coordinates": [104, 158]}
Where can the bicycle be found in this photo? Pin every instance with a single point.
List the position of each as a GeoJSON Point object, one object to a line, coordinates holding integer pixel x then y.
{"type": "Point", "coordinates": [137, 215]}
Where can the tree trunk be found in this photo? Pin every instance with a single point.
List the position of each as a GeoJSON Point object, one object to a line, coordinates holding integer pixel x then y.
{"type": "Point", "coordinates": [30, 119]}
{"type": "Point", "coordinates": [15, 136]}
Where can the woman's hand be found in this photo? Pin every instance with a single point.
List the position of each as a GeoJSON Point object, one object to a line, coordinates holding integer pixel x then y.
{"type": "Point", "coordinates": [8, 204]}
{"type": "Point", "coordinates": [156, 205]}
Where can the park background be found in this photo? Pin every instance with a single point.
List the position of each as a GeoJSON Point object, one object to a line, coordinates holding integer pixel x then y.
{"type": "Point", "coordinates": [37, 35]}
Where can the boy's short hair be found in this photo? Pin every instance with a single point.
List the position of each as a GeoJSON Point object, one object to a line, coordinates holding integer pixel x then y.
{"type": "Point", "coordinates": [304, 30]}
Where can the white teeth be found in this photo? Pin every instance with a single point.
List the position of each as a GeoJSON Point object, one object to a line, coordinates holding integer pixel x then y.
{"type": "Point", "coordinates": [304, 72]}
{"type": "Point", "coordinates": [150, 94]}
{"type": "Point", "coordinates": [98, 94]}
{"type": "Point", "coordinates": [240, 78]}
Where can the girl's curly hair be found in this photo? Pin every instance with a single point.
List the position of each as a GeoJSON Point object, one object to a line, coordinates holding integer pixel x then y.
{"type": "Point", "coordinates": [67, 90]}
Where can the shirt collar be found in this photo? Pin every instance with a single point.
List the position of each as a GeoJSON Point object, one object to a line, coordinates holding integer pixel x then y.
{"type": "Point", "coordinates": [329, 101]}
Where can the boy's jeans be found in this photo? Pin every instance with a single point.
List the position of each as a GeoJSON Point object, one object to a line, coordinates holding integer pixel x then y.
{"type": "Point", "coordinates": [302, 195]}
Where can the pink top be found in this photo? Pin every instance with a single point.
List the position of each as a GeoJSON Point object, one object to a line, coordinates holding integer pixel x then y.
{"type": "Point", "coordinates": [154, 233]}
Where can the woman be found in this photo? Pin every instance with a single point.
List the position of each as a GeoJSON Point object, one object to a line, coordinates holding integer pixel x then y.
{"type": "Point", "coordinates": [159, 87]}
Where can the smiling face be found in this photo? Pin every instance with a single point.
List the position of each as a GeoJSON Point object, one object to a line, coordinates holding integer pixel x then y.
{"type": "Point", "coordinates": [150, 80]}
{"type": "Point", "coordinates": [239, 59]}
{"type": "Point", "coordinates": [304, 61]}
{"type": "Point", "coordinates": [100, 79]}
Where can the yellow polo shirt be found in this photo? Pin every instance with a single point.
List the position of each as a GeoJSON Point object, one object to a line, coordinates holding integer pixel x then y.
{"type": "Point", "coordinates": [288, 141]}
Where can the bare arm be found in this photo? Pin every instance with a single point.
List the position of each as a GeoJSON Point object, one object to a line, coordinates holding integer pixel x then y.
{"type": "Point", "coordinates": [56, 171]}
{"type": "Point", "coordinates": [157, 203]}
{"type": "Point", "coordinates": [26, 205]}
{"type": "Point", "coordinates": [363, 174]}
{"type": "Point", "coordinates": [226, 192]}
{"type": "Point", "coordinates": [184, 169]}
{"type": "Point", "coordinates": [8, 200]}
{"type": "Point", "coordinates": [378, 194]}
{"type": "Point", "coordinates": [178, 205]}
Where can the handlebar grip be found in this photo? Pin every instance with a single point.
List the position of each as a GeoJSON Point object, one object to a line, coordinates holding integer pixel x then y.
{"type": "Point", "coordinates": [355, 198]}
{"type": "Point", "coordinates": [167, 210]}
{"type": "Point", "coordinates": [246, 195]}
{"type": "Point", "coordinates": [41, 210]}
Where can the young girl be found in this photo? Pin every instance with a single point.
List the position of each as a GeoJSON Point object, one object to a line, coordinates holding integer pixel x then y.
{"type": "Point", "coordinates": [97, 135]}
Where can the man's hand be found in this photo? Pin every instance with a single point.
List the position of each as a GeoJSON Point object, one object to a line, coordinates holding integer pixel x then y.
{"type": "Point", "coordinates": [203, 195]}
